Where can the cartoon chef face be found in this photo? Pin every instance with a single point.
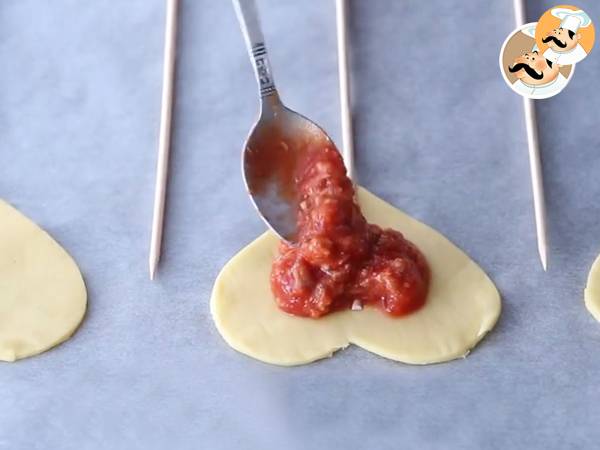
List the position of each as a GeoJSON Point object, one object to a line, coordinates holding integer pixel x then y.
{"type": "Point", "coordinates": [561, 40]}
{"type": "Point", "coordinates": [534, 69]}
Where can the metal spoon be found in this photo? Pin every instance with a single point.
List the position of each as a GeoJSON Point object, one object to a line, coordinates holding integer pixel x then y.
{"type": "Point", "coordinates": [277, 140]}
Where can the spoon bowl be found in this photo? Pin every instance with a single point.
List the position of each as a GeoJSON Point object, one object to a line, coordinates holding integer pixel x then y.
{"type": "Point", "coordinates": [277, 142]}
{"type": "Point", "coordinates": [270, 159]}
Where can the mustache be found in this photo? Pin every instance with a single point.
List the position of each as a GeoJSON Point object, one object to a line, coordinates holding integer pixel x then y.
{"type": "Point", "coordinates": [555, 40]}
{"type": "Point", "coordinates": [530, 70]}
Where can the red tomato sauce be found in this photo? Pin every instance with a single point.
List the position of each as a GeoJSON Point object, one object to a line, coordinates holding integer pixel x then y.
{"type": "Point", "coordinates": [339, 257]}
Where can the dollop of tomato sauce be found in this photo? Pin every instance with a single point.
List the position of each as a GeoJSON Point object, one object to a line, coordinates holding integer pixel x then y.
{"type": "Point", "coordinates": [338, 257]}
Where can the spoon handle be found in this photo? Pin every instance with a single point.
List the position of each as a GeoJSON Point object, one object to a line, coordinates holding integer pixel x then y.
{"type": "Point", "coordinates": [247, 15]}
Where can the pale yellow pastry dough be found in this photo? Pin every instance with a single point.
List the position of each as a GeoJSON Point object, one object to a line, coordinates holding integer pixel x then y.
{"type": "Point", "coordinates": [42, 294]}
{"type": "Point", "coordinates": [462, 306]}
{"type": "Point", "coordinates": [592, 290]}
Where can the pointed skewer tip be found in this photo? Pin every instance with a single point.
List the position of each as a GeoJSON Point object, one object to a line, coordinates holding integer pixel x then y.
{"type": "Point", "coordinates": [152, 271]}
{"type": "Point", "coordinates": [545, 264]}
{"type": "Point", "coordinates": [544, 258]}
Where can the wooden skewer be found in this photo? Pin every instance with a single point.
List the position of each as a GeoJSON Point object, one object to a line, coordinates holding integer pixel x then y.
{"type": "Point", "coordinates": [534, 158]}
{"type": "Point", "coordinates": [341, 16]}
{"type": "Point", "coordinates": [164, 139]}
{"type": "Point", "coordinates": [341, 9]}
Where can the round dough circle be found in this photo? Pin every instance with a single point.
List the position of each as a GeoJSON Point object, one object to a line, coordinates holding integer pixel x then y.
{"type": "Point", "coordinates": [42, 294]}
{"type": "Point", "coordinates": [462, 306]}
{"type": "Point", "coordinates": [592, 290]}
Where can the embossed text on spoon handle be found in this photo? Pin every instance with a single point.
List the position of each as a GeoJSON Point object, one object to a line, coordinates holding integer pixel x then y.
{"type": "Point", "coordinates": [249, 22]}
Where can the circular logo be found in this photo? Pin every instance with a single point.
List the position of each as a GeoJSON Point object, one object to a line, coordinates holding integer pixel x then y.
{"type": "Point", "coordinates": [525, 68]}
{"type": "Point", "coordinates": [565, 34]}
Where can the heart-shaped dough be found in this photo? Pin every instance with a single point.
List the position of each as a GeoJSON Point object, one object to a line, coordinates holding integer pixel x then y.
{"type": "Point", "coordinates": [592, 290]}
{"type": "Point", "coordinates": [462, 306]}
{"type": "Point", "coordinates": [42, 294]}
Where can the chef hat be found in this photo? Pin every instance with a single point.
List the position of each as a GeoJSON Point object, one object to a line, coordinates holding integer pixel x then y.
{"type": "Point", "coordinates": [529, 30]}
{"type": "Point", "coordinates": [572, 20]}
